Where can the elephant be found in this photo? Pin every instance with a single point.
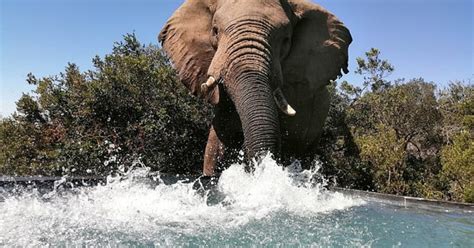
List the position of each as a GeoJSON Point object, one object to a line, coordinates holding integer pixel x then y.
{"type": "Point", "coordinates": [264, 65]}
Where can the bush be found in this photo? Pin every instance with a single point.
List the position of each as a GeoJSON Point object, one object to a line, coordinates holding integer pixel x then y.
{"type": "Point", "coordinates": [338, 151]}
{"type": "Point", "coordinates": [457, 159]}
{"type": "Point", "coordinates": [400, 137]}
{"type": "Point", "coordinates": [129, 108]}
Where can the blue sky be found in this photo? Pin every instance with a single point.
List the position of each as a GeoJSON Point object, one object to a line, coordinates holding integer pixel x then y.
{"type": "Point", "coordinates": [432, 39]}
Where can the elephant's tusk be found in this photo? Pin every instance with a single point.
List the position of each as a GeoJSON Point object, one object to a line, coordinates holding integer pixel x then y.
{"type": "Point", "coordinates": [282, 103]}
{"type": "Point", "coordinates": [211, 81]}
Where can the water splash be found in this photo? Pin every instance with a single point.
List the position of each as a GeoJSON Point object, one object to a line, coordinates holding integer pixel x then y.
{"type": "Point", "coordinates": [271, 188]}
{"type": "Point", "coordinates": [136, 208]}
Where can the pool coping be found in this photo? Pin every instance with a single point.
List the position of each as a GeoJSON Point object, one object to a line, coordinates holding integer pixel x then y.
{"type": "Point", "coordinates": [408, 201]}
{"type": "Point", "coordinates": [403, 201]}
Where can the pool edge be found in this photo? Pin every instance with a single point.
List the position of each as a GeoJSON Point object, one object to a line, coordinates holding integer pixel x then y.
{"type": "Point", "coordinates": [408, 201]}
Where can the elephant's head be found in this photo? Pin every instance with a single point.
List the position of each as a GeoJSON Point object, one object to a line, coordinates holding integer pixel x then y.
{"type": "Point", "coordinates": [253, 47]}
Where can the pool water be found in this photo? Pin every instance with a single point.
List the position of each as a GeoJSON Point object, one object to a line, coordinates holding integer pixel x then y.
{"type": "Point", "coordinates": [272, 206]}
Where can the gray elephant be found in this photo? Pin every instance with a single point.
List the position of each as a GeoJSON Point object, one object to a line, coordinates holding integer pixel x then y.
{"type": "Point", "coordinates": [264, 65]}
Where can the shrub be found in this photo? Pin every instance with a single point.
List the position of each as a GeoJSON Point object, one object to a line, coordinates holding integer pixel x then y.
{"type": "Point", "coordinates": [129, 108]}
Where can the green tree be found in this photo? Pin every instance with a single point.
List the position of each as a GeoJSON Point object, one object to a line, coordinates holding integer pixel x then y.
{"type": "Point", "coordinates": [395, 126]}
{"type": "Point", "coordinates": [385, 153]}
{"type": "Point", "coordinates": [338, 150]}
{"type": "Point", "coordinates": [374, 71]}
{"type": "Point", "coordinates": [408, 114]}
{"type": "Point", "coordinates": [458, 166]}
{"type": "Point", "coordinates": [457, 107]}
{"type": "Point", "coordinates": [129, 108]}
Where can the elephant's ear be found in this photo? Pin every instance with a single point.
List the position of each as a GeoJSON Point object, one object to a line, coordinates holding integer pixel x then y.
{"type": "Point", "coordinates": [186, 40]}
{"type": "Point", "coordinates": [319, 49]}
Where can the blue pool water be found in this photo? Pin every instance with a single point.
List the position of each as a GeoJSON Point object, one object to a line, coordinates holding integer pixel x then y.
{"type": "Point", "coordinates": [272, 206]}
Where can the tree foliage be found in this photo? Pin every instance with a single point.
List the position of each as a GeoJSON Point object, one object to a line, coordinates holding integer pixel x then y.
{"type": "Point", "coordinates": [458, 155]}
{"type": "Point", "coordinates": [406, 137]}
{"type": "Point", "coordinates": [128, 109]}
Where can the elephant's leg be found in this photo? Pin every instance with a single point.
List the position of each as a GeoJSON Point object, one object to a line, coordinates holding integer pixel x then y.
{"type": "Point", "coordinates": [213, 154]}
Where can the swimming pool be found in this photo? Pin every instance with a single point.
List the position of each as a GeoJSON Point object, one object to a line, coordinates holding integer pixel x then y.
{"type": "Point", "coordinates": [272, 206]}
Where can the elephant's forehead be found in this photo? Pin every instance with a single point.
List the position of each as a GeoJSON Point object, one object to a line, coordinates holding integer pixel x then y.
{"type": "Point", "coordinates": [270, 10]}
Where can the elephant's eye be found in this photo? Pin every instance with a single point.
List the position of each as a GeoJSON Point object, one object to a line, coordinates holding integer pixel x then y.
{"type": "Point", "coordinates": [215, 31]}
{"type": "Point", "coordinates": [214, 37]}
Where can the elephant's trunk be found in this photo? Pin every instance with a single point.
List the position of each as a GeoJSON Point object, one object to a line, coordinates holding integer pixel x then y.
{"type": "Point", "coordinates": [258, 114]}
{"type": "Point", "coordinates": [247, 80]}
